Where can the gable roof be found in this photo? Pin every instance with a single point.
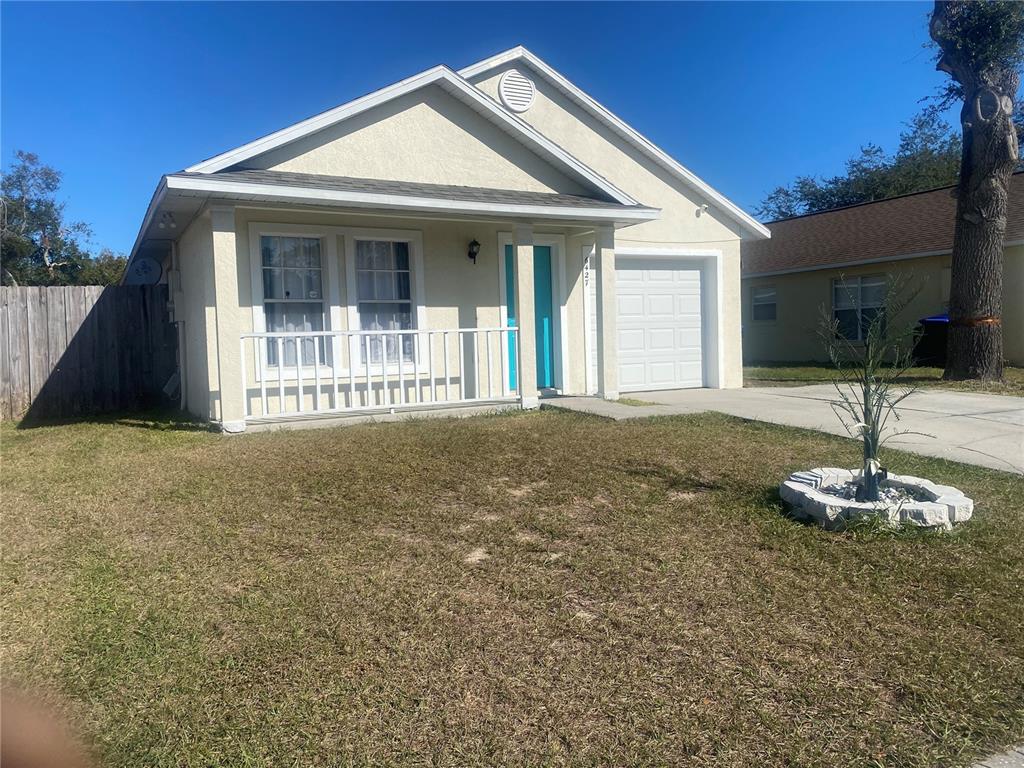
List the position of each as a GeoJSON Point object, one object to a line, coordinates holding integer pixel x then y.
{"type": "Point", "coordinates": [621, 128]}
{"type": "Point", "coordinates": [457, 87]}
{"type": "Point", "coordinates": [914, 225]}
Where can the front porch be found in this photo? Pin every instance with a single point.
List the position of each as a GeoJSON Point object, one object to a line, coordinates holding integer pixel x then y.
{"type": "Point", "coordinates": [531, 338]}
{"type": "Point", "coordinates": [334, 373]}
{"type": "Point", "coordinates": [392, 348]}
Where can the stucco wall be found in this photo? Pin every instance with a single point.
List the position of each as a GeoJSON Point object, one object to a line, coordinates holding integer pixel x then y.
{"type": "Point", "coordinates": [195, 265]}
{"type": "Point", "coordinates": [1013, 304]}
{"type": "Point", "coordinates": [682, 223]}
{"type": "Point", "coordinates": [800, 297]}
{"type": "Point", "coordinates": [427, 136]}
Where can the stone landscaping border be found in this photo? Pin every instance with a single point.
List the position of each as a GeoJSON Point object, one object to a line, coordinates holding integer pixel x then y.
{"type": "Point", "coordinates": [945, 504]}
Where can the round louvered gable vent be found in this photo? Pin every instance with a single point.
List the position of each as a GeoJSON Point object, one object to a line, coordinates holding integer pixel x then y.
{"type": "Point", "coordinates": [516, 90]}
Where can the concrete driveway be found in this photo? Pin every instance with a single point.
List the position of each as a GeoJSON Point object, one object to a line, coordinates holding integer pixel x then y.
{"type": "Point", "coordinates": [987, 430]}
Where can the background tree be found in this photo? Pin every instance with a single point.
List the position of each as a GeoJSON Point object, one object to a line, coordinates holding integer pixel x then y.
{"type": "Point", "coordinates": [981, 48]}
{"type": "Point", "coordinates": [104, 269]}
{"type": "Point", "coordinates": [37, 245]}
{"type": "Point", "coordinates": [928, 156]}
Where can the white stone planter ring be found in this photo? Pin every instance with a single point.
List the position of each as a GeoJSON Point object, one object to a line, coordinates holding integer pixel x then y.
{"type": "Point", "coordinates": [943, 505]}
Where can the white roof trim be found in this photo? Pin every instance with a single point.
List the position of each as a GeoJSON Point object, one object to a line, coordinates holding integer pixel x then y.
{"type": "Point", "coordinates": [453, 83]}
{"type": "Point", "coordinates": [519, 53]}
{"type": "Point", "coordinates": [351, 198]}
{"type": "Point", "coordinates": [154, 205]}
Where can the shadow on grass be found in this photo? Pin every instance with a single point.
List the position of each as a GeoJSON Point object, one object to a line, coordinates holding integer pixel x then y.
{"type": "Point", "coordinates": [673, 480]}
{"type": "Point", "coordinates": [160, 419]}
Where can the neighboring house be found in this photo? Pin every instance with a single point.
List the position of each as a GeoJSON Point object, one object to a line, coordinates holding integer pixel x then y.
{"type": "Point", "coordinates": [838, 261]}
{"type": "Point", "coordinates": [482, 236]}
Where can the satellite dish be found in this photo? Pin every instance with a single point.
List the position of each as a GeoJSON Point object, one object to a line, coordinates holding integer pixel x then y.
{"type": "Point", "coordinates": [144, 271]}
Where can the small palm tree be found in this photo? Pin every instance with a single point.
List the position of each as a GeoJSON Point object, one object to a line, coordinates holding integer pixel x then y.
{"type": "Point", "coordinates": [869, 376]}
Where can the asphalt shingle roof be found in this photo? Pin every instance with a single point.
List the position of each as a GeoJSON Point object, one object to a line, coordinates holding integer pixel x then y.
{"type": "Point", "coordinates": [901, 226]}
{"type": "Point", "coordinates": [407, 188]}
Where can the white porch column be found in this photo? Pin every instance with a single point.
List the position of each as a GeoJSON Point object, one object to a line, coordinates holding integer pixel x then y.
{"type": "Point", "coordinates": [607, 343]}
{"type": "Point", "coordinates": [228, 314]}
{"type": "Point", "coordinates": [525, 316]}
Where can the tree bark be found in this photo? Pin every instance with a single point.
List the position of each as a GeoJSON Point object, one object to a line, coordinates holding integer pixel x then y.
{"type": "Point", "coordinates": [990, 153]}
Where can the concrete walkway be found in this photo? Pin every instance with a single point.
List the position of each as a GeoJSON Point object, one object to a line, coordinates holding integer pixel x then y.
{"type": "Point", "coordinates": [1012, 758]}
{"type": "Point", "coordinates": [986, 430]}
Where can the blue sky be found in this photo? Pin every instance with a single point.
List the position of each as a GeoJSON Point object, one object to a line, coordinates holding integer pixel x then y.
{"type": "Point", "coordinates": [747, 95]}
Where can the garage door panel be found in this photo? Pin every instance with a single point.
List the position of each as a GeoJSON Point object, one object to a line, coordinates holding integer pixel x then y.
{"type": "Point", "coordinates": [661, 374]}
{"type": "Point", "coordinates": [657, 276]}
{"type": "Point", "coordinates": [631, 306]}
{"type": "Point", "coordinates": [659, 320]}
{"type": "Point", "coordinates": [660, 304]}
{"type": "Point", "coordinates": [631, 375]}
{"type": "Point", "coordinates": [661, 339]}
{"type": "Point", "coordinates": [688, 339]}
{"type": "Point", "coordinates": [631, 340]}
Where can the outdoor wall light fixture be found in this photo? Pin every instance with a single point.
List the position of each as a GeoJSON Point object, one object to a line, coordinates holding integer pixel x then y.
{"type": "Point", "coordinates": [167, 220]}
{"type": "Point", "coordinates": [474, 250]}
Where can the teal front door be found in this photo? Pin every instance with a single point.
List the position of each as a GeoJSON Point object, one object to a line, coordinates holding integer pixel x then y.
{"type": "Point", "coordinates": [543, 315]}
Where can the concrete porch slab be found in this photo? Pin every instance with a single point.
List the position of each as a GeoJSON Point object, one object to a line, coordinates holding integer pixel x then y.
{"type": "Point", "coordinates": [326, 421]}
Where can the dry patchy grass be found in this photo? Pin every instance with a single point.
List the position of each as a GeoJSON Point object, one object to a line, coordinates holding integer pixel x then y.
{"type": "Point", "coordinates": [539, 588]}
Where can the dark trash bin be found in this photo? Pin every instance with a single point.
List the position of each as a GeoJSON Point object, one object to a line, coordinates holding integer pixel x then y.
{"type": "Point", "coordinates": [930, 348]}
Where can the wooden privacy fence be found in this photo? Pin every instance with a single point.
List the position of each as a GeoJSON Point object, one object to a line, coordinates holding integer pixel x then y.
{"type": "Point", "coordinates": [72, 350]}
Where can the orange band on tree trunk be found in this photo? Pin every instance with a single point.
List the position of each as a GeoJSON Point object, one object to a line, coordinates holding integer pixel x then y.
{"type": "Point", "coordinates": [974, 322]}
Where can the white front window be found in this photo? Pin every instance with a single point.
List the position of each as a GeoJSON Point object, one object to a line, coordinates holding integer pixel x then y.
{"type": "Point", "coordinates": [856, 301]}
{"type": "Point", "coordinates": [293, 294]}
{"type": "Point", "coordinates": [384, 295]}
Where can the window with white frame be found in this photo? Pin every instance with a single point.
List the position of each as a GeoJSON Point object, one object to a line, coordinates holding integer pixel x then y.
{"type": "Point", "coordinates": [762, 303]}
{"type": "Point", "coordinates": [384, 297]}
{"type": "Point", "coordinates": [293, 296]}
{"type": "Point", "coordinates": [856, 301]}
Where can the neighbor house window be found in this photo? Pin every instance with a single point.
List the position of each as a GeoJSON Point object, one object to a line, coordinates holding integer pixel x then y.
{"type": "Point", "coordinates": [762, 303]}
{"type": "Point", "coordinates": [856, 302]}
{"type": "Point", "coordinates": [384, 296]}
{"type": "Point", "coordinates": [293, 296]}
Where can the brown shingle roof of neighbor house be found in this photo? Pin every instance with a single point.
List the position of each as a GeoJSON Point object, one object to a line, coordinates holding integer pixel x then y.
{"type": "Point", "coordinates": [912, 225]}
{"type": "Point", "coordinates": [406, 188]}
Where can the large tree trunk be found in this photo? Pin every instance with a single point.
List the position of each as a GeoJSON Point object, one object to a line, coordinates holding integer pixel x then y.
{"type": "Point", "coordinates": [975, 347]}
{"type": "Point", "coordinates": [990, 153]}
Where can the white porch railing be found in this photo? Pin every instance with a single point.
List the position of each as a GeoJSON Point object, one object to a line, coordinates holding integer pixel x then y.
{"type": "Point", "coordinates": [326, 372]}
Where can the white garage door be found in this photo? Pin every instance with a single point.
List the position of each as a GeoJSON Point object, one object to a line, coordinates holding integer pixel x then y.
{"type": "Point", "coordinates": [659, 324]}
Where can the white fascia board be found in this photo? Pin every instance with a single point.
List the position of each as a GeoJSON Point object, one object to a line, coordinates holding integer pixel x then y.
{"type": "Point", "coordinates": [623, 129]}
{"type": "Point", "coordinates": [154, 204]}
{"type": "Point", "coordinates": [316, 196]}
{"type": "Point", "coordinates": [458, 87]}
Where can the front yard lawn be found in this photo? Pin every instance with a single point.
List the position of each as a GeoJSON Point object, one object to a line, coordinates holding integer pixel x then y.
{"type": "Point", "coordinates": [535, 588]}
{"type": "Point", "coordinates": [780, 375]}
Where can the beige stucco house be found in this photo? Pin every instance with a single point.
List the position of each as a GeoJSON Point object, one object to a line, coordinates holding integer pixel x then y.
{"type": "Point", "coordinates": [458, 238]}
{"type": "Point", "coordinates": [839, 262]}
